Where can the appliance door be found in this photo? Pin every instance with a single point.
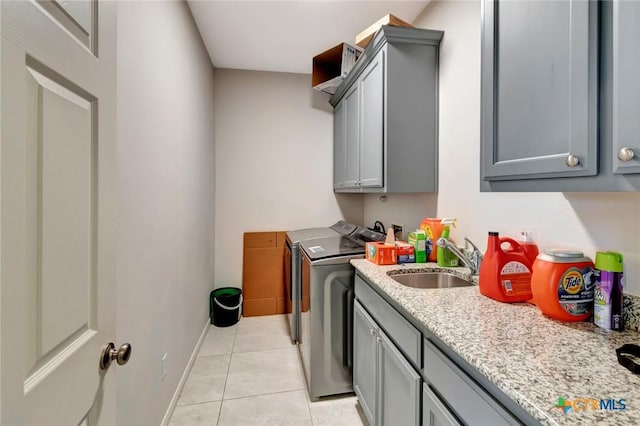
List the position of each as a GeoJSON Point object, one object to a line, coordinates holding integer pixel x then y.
{"type": "Point", "coordinates": [292, 287]}
{"type": "Point", "coordinates": [326, 328]}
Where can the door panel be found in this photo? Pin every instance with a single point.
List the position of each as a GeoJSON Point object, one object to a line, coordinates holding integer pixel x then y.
{"type": "Point", "coordinates": [626, 89]}
{"type": "Point", "coordinates": [364, 360]}
{"type": "Point", "coordinates": [339, 145]}
{"type": "Point", "coordinates": [78, 17]}
{"type": "Point", "coordinates": [58, 212]}
{"type": "Point", "coordinates": [539, 108]}
{"type": "Point", "coordinates": [434, 412]}
{"type": "Point", "coordinates": [399, 387]}
{"type": "Point", "coordinates": [64, 213]}
{"type": "Point", "coordinates": [372, 119]}
{"type": "Point", "coordinates": [352, 123]}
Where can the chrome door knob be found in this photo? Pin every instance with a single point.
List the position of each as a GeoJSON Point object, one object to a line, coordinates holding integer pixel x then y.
{"type": "Point", "coordinates": [109, 353]}
{"type": "Point", "coordinates": [626, 154]}
{"type": "Point", "coordinates": [572, 160]}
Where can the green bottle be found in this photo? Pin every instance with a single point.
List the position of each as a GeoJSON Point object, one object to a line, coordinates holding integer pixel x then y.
{"type": "Point", "coordinates": [445, 257]}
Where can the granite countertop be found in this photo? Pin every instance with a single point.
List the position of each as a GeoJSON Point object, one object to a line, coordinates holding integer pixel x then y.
{"type": "Point", "coordinates": [533, 359]}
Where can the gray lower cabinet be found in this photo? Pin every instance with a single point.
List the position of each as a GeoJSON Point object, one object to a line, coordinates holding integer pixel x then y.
{"type": "Point", "coordinates": [434, 412]}
{"type": "Point", "coordinates": [401, 377]}
{"type": "Point", "coordinates": [365, 360]}
{"type": "Point", "coordinates": [563, 116]}
{"type": "Point", "coordinates": [386, 384]}
{"type": "Point", "coordinates": [399, 386]}
{"type": "Point", "coordinates": [470, 402]}
{"type": "Point", "coordinates": [385, 115]}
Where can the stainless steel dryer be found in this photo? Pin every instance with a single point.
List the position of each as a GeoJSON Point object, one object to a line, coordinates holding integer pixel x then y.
{"type": "Point", "coordinates": [326, 327]}
{"type": "Point", "coordinates": [293, 263]}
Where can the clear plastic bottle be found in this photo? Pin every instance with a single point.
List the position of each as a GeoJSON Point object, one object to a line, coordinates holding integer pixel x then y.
{"type": "Point", "coordinates": [529, 246]}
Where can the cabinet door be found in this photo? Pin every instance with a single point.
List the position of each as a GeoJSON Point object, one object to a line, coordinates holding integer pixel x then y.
{"type": "Point", "coordinates": [398, 387]}
{"type": "Point", "coordinates": [371, 126]}
{"type": "Point", "coordinates": [434, 412]}
{"type": "Point", "coordinates": [352, 133]}
{"type": "Point", "coordinates": [364, 360]}
{"type": "Point", "coordinates": [539, 89]}
{"type": "Point", "coordinates": [339, 146]}
{"type": "Point", "coordinates": [626, 87]}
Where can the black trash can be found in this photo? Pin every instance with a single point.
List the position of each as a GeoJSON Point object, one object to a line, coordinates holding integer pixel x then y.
{"type": "Point", "coordinates": [224, 306]}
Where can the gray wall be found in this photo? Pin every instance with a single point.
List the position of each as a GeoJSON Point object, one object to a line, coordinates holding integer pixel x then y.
{"type": "Point", "coordinates": [165, 200]}
{"type": "Point", "coordinates": [274, 162]}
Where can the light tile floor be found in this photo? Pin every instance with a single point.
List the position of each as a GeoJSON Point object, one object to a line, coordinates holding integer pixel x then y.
{"type": "Point", "coordinates": [250, 374]}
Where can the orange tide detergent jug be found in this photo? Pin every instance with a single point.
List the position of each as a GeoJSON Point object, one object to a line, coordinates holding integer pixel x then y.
{"type": "Point", "coordinates": [505, 275]}
{"type": "Point", "coordinates": [432, 228]}
{"type": "Point", "coordinates": [563, 285]}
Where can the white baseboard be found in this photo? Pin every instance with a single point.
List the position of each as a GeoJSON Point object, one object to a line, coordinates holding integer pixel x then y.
{"type": "Point", "coordinates": [185, 375]}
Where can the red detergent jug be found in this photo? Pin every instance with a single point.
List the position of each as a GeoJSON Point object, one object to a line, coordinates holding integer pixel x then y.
{"type": "Point", "coordinates": [505, 275]}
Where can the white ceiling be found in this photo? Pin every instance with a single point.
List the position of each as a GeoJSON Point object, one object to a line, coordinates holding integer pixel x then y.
{"type": "Point", "coordinates": [284, 36]}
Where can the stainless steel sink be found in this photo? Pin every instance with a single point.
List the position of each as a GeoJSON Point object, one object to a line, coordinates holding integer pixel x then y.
{"type": "Point", "coordinates": [431, 280]}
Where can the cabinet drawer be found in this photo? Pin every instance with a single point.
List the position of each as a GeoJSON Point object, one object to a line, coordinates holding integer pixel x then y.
{"type": "Point", "coordinates": [471, 403]}
{"type": "Point", "coordinates": [406, 337]}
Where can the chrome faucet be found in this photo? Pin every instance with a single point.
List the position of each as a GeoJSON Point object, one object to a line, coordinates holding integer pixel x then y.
{"type": "Point", "coordinates": [471, 260]}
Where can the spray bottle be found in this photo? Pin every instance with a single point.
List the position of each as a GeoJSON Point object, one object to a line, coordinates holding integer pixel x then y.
{"type": "Point", "coordinates": [607, 310]}
{"type": "Point", "coordinates": [445, 257]}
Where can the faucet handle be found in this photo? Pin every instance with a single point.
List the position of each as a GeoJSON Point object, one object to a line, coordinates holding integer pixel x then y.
{"type": "Point", "coordinates": [469, 242]}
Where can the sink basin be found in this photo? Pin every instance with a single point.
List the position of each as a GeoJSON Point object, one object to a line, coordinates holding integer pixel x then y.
{"type": "Point", "coordinates": [431, 280]}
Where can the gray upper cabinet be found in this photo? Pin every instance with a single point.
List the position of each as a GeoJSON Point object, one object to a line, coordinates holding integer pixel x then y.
{"type": "Point", "coordinates": [626, 88]}
{"type": "Point", "coordinates": [372, 117]}
{"type": "Point", "coordinates": [339, 146]}
{"type": "Point", "coordinates": [539, 89]}
{"type": "Point", "coordinates": [352, 130]}
{"type": "Point", "coordinates": [560, 99]}
{"type": "Point", "coordinates": [386, 109]}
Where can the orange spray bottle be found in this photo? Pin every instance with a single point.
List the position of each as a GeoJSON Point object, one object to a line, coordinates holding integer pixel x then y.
{"type": "Point", "coordinates": [505, 275]}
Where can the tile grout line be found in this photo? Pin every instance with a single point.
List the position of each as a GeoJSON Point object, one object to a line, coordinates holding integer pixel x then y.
{"type": "Point", "coordinates": [265, 394]}
{"type": "Point", "coordinates": [226, 378]}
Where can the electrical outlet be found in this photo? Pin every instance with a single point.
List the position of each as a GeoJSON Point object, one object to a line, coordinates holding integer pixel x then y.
{"type": "Point", "coordinates": [164, 367]}
{"type": "Point", "coordinates": [398, 230]}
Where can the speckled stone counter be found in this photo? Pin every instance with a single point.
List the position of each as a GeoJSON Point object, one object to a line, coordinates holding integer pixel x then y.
{"type": "Point", "coordinates": [532, 359]}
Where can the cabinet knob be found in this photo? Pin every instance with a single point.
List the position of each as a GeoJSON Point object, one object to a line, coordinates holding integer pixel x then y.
{"type": "Point", "coordinates": [372, 331]}
{"type": "Point", "coordinates": [626, 154]}
{"type": "Point", "coordinates": [378, 339]}
{"type": "Point", "coordinates": [572, 160]}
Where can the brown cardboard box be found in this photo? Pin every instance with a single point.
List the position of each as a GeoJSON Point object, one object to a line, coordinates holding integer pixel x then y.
{"type": "Point", "coordinates": [365, 37]}
{"type": "Point", "coordinates": [260, 239]}
{"type": "Point", "coordinates": [258, 307]}
{"type": "Point", "coordinates": [263, 273]}
{"type": "Point", "coordinates": [332, 66]}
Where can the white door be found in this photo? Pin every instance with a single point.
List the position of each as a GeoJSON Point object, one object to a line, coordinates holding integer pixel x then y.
{"type": "Point", "coordinates": [57, 211]}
